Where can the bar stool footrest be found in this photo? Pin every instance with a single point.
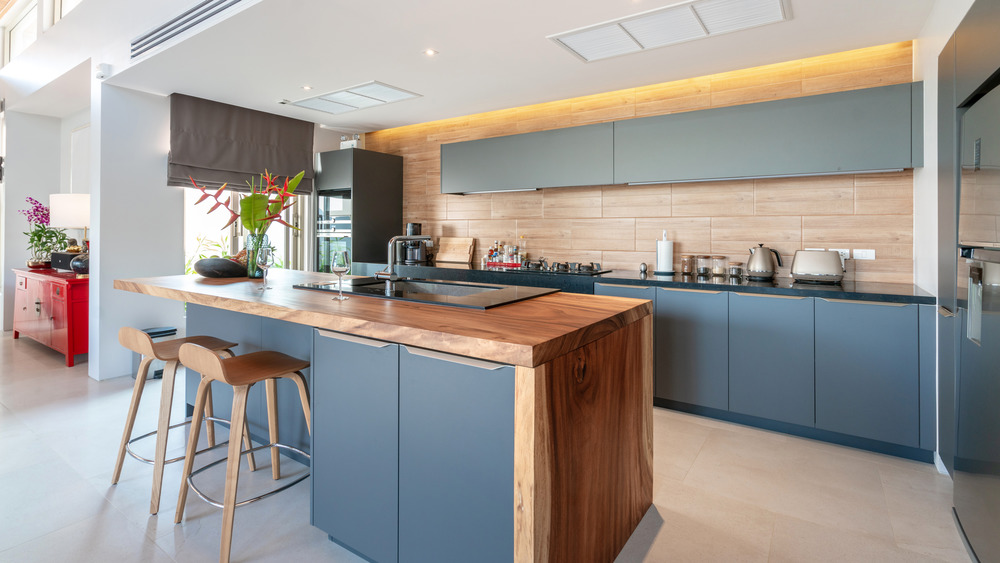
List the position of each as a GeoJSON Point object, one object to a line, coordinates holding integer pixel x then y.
{"type": "Point", "coordinates": [217, 504]}
{"type": "Point", "coordinates": [147, 461]}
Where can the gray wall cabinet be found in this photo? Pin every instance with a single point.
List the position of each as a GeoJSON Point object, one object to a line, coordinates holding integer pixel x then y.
{"type": "Point", "coordinates": [691, 331]}
{"type": "Point", "coordinates": [456, 458]}
{"type": "Point", "coordinates": [574, 156]}
{"type": "Point", "coordinates": [771, 357]}
{"type": "Point", "coordinates": [867, 370]}
{"type": "Point", "coordinates": [375, 181]}
{"type": "Point", "coordinates": [355, 465]}
{"type": "Point", "coordinates": [867, 129]}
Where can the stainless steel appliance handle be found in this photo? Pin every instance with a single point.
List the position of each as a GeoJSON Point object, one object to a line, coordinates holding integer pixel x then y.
{"type": "Point", "coordinates": [353, 339]}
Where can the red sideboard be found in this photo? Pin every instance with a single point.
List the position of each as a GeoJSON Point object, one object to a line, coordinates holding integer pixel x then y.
{"type": "Point", "coordinates": [51, 307]}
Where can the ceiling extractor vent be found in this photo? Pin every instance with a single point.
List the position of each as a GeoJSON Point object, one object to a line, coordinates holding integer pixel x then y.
{"type": "Point", "coordinates": [199, 13]}
{"type": "Point", "coordinates": [687, 21]}
{"type": "Point", "coordinates": [354, 98]}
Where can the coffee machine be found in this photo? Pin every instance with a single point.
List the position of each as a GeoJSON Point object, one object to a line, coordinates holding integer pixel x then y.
{"type": "Point", "coordinates": [413, 252]}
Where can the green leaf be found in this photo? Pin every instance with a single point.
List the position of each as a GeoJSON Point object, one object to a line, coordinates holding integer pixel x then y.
{"type": "Point", "coordinates": [294, 182]}
{"type": "Point", "coordinates": [253, 210]}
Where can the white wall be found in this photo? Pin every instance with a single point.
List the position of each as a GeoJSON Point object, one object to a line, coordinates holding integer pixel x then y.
{"type": "Point", "coordinates": [31, 169]}
{"type": "Point", "coordinates": [941, 24]}
{"type": "Point", "coordinates": [137, 220]}
{"type": "Point", "coordinates": [67, 127]}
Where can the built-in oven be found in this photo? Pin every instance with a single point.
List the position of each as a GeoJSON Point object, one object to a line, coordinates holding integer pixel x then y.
{"type": "Point", "coordinates": [333, 226]}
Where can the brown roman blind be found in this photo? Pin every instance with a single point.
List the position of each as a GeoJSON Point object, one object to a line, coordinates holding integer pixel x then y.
{"type": "Point", "coordinates": [217, 143]}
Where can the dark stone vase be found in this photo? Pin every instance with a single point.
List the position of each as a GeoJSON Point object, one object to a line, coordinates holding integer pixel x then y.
{"type": "Point", "coordinates": [80, 264]}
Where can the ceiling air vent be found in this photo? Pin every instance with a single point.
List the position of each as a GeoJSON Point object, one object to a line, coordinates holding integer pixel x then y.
{"type": "Point", "coordinates": [669, 25]}
{"type": "Point", "coordinates": [356, 97]}
{"type": "Point", "coordinates": [202, 11]}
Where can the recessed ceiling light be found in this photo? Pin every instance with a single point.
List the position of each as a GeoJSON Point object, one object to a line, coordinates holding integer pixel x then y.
{"type": "Point", "coordinates": [677, 23]}
{"type": "Point", "coordinates": [357, 97]}
{"type": "Point", "coordinates": [307, 87]}
{"type": "Point", "coordinates": [430, 52]}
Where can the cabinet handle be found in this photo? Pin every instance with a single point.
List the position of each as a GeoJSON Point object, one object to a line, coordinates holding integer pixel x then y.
{"type": "Point", "coordinates": [38, 306]}
{"type": "Point", "coordinates": [351, 338]}
{"type": "Point", "coordinates": [860, 302]}
{"type": "Point", "coordinates": [691, 290]}
{"type": "Point", "coordinates": [472, 362]}
{"type": "Point", "coordinates": [796, 297]}
{"type": "Point", "coordinates": [945, 312]}
{"type": "Point", "coordinates": [623, 285]}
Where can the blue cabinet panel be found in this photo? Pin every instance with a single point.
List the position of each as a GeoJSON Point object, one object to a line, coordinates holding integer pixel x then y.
{"type": "Point", "coordinates": [456, 458]}
{"type": "Point", "coordinates": [355, 451]}
{"type": "Point", "coordinates": [867, 370]}
{"type": "Point", "coordinates": [771, 357]}
{"type": "Point", "coordinates": [691, 331]}
{"type": "Point", "coordinates": [573, 156]}
{"type": "Point", "coordinates": [295, 340]}
{"type": "Point", "coordinates": [928, 364]}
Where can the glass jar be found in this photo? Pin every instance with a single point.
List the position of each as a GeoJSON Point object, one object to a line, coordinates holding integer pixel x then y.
{"type": "Point", "coordinates": [704, 265]}
{"type": "Point", "coordinates": [687, 263]}
{"type": "Point", "coordinates": [718, 265]}
{"type": "Point", "coordinates": [736, 269]}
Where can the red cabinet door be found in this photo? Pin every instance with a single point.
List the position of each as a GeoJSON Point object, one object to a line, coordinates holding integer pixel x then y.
{"type": "Point", "coordinates": [59, 335]}
{"type": "Point", "coordinates": [32, 309]}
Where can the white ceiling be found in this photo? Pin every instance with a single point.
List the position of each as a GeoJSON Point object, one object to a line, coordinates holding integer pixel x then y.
{"type": "Point", "coordinates": [493, 54]}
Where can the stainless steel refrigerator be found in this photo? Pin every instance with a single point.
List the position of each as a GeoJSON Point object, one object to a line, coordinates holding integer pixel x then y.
{"type": "Point", "coordinates": [977, 457]}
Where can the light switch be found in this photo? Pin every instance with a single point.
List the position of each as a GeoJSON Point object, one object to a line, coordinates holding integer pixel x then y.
{"type": "Point", "coordinates": [864, 254]}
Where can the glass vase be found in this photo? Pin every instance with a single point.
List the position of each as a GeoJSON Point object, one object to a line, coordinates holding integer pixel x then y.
{"type": "Point", "coordinates": [253, 245]}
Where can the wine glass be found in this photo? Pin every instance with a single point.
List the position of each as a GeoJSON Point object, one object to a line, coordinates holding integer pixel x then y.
{"type": "Point", "coordinates": [265, 257]}
{"type": "Point", "coordinates": [341, 263]}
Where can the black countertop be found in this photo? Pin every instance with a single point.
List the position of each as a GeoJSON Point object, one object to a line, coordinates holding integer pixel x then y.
{"type": "Point", "coordinates": [851, 290]}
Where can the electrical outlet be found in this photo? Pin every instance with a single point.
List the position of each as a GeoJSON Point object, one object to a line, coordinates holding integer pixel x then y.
{"type": "Point", "coordinates": [864, 254]}
{"type": "Point", "coordinates": [845, 253]}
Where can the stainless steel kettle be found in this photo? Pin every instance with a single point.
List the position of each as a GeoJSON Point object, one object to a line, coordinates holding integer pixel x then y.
{"type": "Point", "coordinates": [761, 264]}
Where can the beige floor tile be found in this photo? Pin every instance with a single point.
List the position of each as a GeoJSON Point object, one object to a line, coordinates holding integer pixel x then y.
{"type": "Point", "coordinates": [919, 502]}
{"type": "Point", "coordinates": [676, 443]}
{"type": "Point", "coordinates": [795, 541]}
{"type": "Point", "coordinates": [792, 479]}
{"type": "Point", "coordinates": [688, 524]}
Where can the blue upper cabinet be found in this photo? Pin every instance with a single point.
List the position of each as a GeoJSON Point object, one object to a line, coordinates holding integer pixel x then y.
{"type": "Point", "coordinates": [575, 156]}
{"type": "Point", "coordinates": [869, 129]}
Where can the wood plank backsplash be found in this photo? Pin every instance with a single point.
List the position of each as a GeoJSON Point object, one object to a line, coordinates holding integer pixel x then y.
{"type": "Point", "coordinates": [617, 225]}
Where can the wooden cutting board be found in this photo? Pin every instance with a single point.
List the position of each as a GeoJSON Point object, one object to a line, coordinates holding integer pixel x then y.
{"type": "Point", "coordinates": [454, 249]}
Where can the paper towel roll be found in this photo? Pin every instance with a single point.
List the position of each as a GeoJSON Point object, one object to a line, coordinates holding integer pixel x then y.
{"type": "Point", "coordinates": [664, 256]}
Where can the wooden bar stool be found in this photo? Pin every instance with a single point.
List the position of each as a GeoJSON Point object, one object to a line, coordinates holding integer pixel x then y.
{"type": "Point", "coordinates": [167, 351]}
{"type": "Point", "coordinates": [241, 372]}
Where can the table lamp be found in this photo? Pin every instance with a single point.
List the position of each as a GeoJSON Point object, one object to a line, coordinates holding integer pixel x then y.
{"type": "Point", "coordinates": [72, 211]}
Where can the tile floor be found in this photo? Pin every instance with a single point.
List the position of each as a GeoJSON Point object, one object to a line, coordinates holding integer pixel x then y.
{"type": "Point", "coordinates": [722, 492]}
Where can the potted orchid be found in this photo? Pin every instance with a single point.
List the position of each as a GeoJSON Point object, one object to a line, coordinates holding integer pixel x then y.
{"type": "Point", "coordinates": [43, 240]}
{"type": "Point", "coordinates": [268, 198]}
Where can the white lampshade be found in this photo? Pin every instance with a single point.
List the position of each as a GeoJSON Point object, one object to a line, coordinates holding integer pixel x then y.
{"type": "Point", "coordinates": [69, 211]}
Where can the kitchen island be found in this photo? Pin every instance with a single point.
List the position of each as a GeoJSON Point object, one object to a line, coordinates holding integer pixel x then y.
{"type": "Point", "coordinates": [579, 456]}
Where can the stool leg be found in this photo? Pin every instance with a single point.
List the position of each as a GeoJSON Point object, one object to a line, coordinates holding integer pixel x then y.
{"type": "Point", "coordinates": [300, 382]}
{"type": "Point", "coordinates": [133, 408]}
{"type": "Point", "coordinates": [233, 469]}
{"type": "Point", "coordinates": [209, 411]}
{"type": "Point", "coordinates": [271, 390]}
{"type": "Point", "coordinates": [162, 429]}
{"type": "Point", "coordinates": [251, 461]}
{"type": "Point", "coordinates": [192, 446]}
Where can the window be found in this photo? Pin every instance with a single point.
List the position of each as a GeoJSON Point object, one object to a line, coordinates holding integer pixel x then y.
{"type": "Point", "coordinates": [204, 237]}
{"type": "Point", "coordinates": [23, 33]}
{"type": "Point", "coordinates": [63, 7]}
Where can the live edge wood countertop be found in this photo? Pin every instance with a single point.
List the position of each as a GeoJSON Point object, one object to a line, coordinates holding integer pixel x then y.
{"type": "Point", "coordinates": [528, 333]}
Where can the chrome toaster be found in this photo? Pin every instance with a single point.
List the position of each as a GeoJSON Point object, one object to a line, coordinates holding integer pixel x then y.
{"type": "Point", "coordinates": [817, 266]}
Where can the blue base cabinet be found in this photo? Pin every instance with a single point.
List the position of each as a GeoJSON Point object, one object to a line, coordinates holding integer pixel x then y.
{"type": "Point", "coordinates": [771, 357]}
{"type": "Point", "coordinates": [867, 370]}
{"type": "Point", "coordinates": [355, 459]}
{"type": "Point", "coordinates": [691, 332]}
{"type": "Point", "coordinates": [456, 458]}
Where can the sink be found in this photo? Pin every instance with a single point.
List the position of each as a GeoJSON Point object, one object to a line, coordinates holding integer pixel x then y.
{"type": "Point", "coordinates": [436, 292]}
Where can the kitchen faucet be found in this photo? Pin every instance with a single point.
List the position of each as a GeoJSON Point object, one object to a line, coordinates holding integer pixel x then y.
{"type": "Point", "coordinates": [389, 273]}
